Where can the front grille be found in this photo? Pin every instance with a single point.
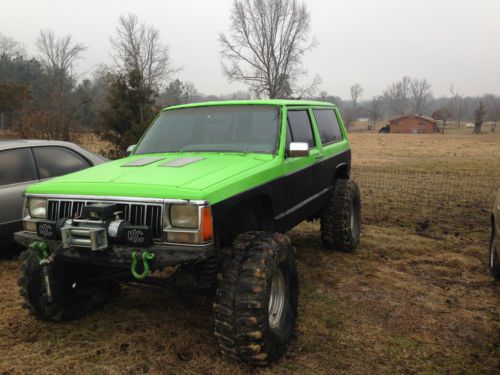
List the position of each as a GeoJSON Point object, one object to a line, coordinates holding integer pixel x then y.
{"type": "Point", "coordinates": [148, 214]}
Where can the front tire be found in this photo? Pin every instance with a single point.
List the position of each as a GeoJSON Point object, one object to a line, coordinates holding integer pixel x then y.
{"type": "Point", "coordinates": [341, 217]}
{"type": "Point", "coordinates": [256, 303]}
{"type": "Point", "coordinates": [494, 259]}
{"type": "Point", "coordinates": [71, 296]}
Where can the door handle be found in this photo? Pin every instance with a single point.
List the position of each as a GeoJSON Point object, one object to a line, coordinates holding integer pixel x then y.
{"type": "Point", "coordinates": [319, 156]}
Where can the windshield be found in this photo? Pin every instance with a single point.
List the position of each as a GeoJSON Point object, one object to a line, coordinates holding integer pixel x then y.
{"type": "Point", "coordinates": [250, 128]}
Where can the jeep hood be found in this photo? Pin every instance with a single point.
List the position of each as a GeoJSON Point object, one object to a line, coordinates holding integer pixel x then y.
{"type": "Point", "coordinates": [183, 176]}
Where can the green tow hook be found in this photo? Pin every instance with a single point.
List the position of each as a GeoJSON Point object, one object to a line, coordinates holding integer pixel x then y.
{"type": "Point", "coordinates": [146, 257]}
{"type": "Point", "coordinates": [41, 250]}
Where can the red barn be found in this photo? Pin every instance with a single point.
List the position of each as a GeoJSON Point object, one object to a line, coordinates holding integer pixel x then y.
{"type": "Point", "coordinates": [413, 124]}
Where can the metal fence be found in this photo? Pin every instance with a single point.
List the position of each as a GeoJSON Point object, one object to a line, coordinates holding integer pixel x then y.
{"type": "Point", "coordinates": [442, 198]}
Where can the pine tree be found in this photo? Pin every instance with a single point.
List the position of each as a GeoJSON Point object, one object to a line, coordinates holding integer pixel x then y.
{"type": "Point", "coordinates": [130, 108]}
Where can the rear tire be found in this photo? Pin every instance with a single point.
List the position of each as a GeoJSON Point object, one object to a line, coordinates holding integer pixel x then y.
{"type": "Point", "coordinates": [256, 303]}
{"type": "Point", "coordinates": [71, 297]}
{"type": "Point", "coordinates": [494, 259]}
{"type": "Point", "coordinates": [341, 217]}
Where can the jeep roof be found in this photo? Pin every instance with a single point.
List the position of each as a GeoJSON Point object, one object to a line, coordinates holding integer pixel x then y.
{"type": "Point", "coordinates": [276, 102]}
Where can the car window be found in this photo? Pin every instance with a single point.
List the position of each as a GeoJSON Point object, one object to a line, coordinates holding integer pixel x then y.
{"type": "Point", "coordinates": [300, 128]}
{"type": "Point", "coordinates": [328, 125]}
{"type": "Point", "coordinates": [56, 161]}
{"type": "Point", "coordinates": [16, 166]}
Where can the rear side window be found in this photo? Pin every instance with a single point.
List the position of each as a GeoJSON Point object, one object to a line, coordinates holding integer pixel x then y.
{"type": "Point", "coordinates": [299, 125]}
{"type": "Point", "coordinates": [56, 161]}
{"type": "Point", "coordinates": [16, 166]}
{"type": "Point", "coordinates": [328, 125]}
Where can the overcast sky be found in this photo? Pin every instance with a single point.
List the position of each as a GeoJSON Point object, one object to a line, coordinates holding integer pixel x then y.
{"type": "Point", "coordinates": [371, 42]}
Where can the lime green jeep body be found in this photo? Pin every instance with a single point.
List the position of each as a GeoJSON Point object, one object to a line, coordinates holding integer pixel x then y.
{"type": "Point", "coordinates": [250, 170]}
{"type": "Point", "coordinates": [202, 201]}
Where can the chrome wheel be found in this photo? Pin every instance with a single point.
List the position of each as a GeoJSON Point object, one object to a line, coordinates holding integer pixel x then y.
{"type": "Point", "coordinates": [276, 299]}
{"type": "Point", "coordinates": [493, 252]}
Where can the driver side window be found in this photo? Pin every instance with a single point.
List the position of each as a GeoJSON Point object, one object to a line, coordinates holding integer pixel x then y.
{"type": "Point", "coordinates": [299, 128]}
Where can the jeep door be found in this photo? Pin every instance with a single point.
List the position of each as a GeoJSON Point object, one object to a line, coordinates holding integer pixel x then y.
{"type": "Point", "coordinates": [334, 145]}
{"type": "Point", "coordinates": [300, 185]}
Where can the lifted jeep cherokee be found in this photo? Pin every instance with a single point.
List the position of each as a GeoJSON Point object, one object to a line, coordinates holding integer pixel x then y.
{"type": "Point", "coordinates": [202, 202]}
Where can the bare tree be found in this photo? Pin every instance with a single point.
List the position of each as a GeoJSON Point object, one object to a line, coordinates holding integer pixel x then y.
{"type": "Point", "coordinates": [58, 54]}
{"type": "Point", "coordinates": [10, 47]}
{"type": "Point", "coordinates": [356, 94]}
{"type": "Point", "coordinates": [376, 110]}
{"type": "Point", "coordinates": [479, 115]}
{"type": "Point", "coordinates": [492, 104]}
{"type": "Point", "coordinates": [138, 47]}
{"type": "Point", "coordinates": [420, 94]}
{"type": "Point", "coordinates": [398, 96]}
{"type": "Point", "coordinates": [456, 104]}
{"type": "Point", "coordinates": [191, 91]}
{"type": "Point", "coordinates": [266, 44]}
{"type": "Point", "coordinates": [59, 108]}
{"type": "Point", "coordinates": [307, 90]}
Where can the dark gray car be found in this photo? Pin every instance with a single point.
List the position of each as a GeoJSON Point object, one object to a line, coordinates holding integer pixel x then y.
{"type": "Point", "coordinates": [25, 162]}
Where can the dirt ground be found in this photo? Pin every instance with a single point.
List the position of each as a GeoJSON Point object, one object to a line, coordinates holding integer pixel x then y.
{"type": "Point", "coordinates": [405, 303]}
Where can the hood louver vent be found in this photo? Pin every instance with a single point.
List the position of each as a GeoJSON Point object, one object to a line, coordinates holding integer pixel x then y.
{"type": "Point", "coordinates": [181, 162]}
{"type": "Point", "coordinates": [141, 162]}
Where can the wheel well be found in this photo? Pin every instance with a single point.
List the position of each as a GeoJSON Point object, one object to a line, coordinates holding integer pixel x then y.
{"type": "Point", "coordinates": [342, 172]}
{"type": "Point", "coordinates": [263, 207]}
{"type": "Point", "coordinates": [236, 220]}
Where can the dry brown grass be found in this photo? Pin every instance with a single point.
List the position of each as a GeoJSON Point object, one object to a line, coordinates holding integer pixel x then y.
{"type": "Point", "coordinates": [407, 302]}
{"type": "Point", "coordinates": [92, 142]}
{"type": "Point", "coordinates": [427, 151]}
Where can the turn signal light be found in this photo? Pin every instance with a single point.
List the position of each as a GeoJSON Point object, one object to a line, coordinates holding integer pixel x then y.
{"type": "Point", "coordinates": [207, 228]}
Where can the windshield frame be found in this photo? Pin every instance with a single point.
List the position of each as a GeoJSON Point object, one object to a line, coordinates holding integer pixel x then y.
{"type": "Point", "coordinates": [277, 141]}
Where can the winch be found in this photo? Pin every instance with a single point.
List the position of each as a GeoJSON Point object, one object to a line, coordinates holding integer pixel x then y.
{"type": "Point", "coordinates": [99, 226]}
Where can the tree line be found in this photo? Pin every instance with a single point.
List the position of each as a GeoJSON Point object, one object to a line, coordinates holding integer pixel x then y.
{"type": "Point", "coordinates": [42, 96]}
{"type": "Point", "coordinates": [414, 96]}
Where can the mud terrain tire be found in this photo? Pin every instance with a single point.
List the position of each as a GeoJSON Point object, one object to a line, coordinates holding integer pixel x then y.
{"type": "Point", "coordinates": [71, 299]}
{"type": "Point", "coordinates": [341, 217]}
{"type": "Point", "coordinates": [257, 278]}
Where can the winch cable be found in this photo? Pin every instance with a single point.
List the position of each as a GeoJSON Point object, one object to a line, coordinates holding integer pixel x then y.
{"type": "Point", "coordinates": [41, 250]}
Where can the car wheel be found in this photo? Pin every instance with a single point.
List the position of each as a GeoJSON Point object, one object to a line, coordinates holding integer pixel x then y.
{"type": "Point", "coordinates": [341, 217]}
{"type": "Point", "coordinates": [256, 303]}
{"type": "Point", "coordinates": [70, 297]}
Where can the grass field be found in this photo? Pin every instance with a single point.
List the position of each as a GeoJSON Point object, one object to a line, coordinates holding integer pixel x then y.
{"type": "Point", "coordinates": [409, 301]}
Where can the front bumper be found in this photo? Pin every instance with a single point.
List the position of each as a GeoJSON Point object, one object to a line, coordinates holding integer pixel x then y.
{"type": "Point", "coordinates": [121, 256]}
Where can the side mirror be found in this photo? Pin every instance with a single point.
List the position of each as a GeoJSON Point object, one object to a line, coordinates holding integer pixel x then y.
{"type": "Point", "coordinates": [130, 149]}
{"type": "Point", "coordinates": [298, 149]}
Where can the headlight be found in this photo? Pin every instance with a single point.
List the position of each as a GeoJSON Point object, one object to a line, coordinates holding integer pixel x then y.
{"type": "Point", "coordinates": [37, 208]}
{"type": "Point", "coordinates": [184, 216]}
